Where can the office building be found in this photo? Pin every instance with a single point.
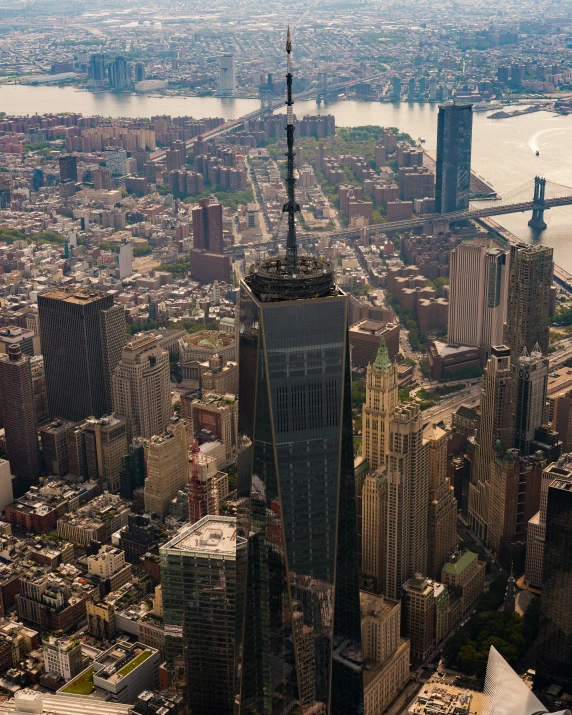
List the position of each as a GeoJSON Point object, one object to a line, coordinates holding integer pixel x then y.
{"type": "Point", "coordinates": [82, 337]}
{"type": "Point", "coordinates": [562, 469]}
{"type": "Point", "coordinates": [464, 575]}
{"type": "Point", "coordinates": [477, 295]}
{"type": "Point", "coordinates": [132, 474]}
{"type": "Point", "coordinates": [116, 161]}
{"type": "Point", "coordinates": [366, 337]}
{"type": "Point", "coordinates": [530, 407]}
{"type": "Point", "coordinates": [18, 414]}
{"type": "Point", "coordinates": [68, 168]}
{"type": "Point", "coordinates": [555, 628]}
{"type": "Point", "coordinates": [442, 508]}
{"type": "Point", "coordinates": [125, 259]}
{"type": "Point", "coordinates": [562, 418]}
{"type": "Point", "coordinates": [373, 530]}
{"type": "Point", "coordinates": [207, 226]}
{"type": "Point", "coordinates": [425, 615]}
{"type": "Point", "coordinates": [407, 469]}
{"type": "Point", "coordinates": [142, 388]}
{"type": "Point", "coordinates": [198, 573]}
{"type": "Point", "coordinates": [495, 432]}
{"type": "Point", "coordinates": [385, 653]}
{"type": "Point", "coordinates": [454, 137]}
{"type": "Point", "coordinates": [216, 416]}
{"type": "Point", "coordinates": [528, 301]}
{"type": "Point", "coordinates": [227, 78]}
{"type": "Point", "coordinates": [295, 407]}
{"type": "Point", "coordinates": [105, 447]}
{"type": "Point", "coordinates": [167, 466]}
{"type": "Point", "coordinates": [55, 447]}
{"type": "Point", "coordinates": [381, 399]}
{"type": "Point", "coordinates": [139, 72]}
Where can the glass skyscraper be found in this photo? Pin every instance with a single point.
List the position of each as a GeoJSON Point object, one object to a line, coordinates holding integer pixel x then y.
{"type": "Point", "coordinates": [298, 591]}
{"type": "Point", "coordinates": [454, 137]}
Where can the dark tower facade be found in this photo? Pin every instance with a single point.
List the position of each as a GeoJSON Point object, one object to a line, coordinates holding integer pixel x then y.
{"type": "Point", "coordinates": [207, 226]}
{"type": "Point", "coordinates": [83, 335]}
{"type": "Point", "coordinates": [454, 137]}
{"type": "Point", "coordinates": [17, 399]}
{"type": "Point", "coordinates": [298, 599]}
{"type": "Point", "coordinates": [555, 631]}
{"type": "Point", "coordinates": [68, 168]}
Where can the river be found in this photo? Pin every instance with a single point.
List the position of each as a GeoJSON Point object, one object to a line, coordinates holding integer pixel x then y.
{"type": "Point", "coordinates": [504, 151]}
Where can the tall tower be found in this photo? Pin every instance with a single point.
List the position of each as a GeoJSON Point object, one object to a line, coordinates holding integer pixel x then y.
{"type": "Point", "coordinates": [381, 398]}
{"type": "Point", "coordinates": [555, 631]}
{"type": "Point", "coordinates": [82, 337]}
{"type": "Point", "coordinates": [407, 498]}
{"type": "Point", "coordinates": [495, 430]}
{"type": "Point", "coordinates": [454, 137]}
{"type": "Point", "coordinates": [167, 465]}
{"type": "Point", "coordinates": [207, 226]}
{"type": "Point", "coordinates": [477, 298]}
{"type": "Point", "coordinates": [374, 528]}
{"type": "Point", "coordinates": [530, 408]}
{"type": "Point", "coordinates": [528, 303]}
{"type": "Point", "coordinates": [296, 489]}
{"type": "Point", "coordinates": [17, 400]}
{"type": "Point", "coordinates": [142, 388]}
{"type": "Point", "coordinates": [227, 76]}
{"type": "Point", "coordinates": [442, 517]}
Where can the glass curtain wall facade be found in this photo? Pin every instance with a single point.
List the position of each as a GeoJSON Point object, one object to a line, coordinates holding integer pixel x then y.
{"type": "Point", "coordinates": [454, 137]}
{"type": "Point", "coordinates": [298, 631]}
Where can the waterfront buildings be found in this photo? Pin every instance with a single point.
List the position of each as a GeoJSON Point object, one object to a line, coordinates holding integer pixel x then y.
{"type": "Point", "coordinates": [227, 78]}
{"type": "Point", "coordinates": [82, 337]}
{"type": "Point", "coordinates": [454, 138]}
{"type": "Point", "coordinates": [17, 400]}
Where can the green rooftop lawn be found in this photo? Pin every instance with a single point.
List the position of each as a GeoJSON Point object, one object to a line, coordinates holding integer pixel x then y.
{"type": "Point", "coordinates": [82, 685]}
{"type": "Point", "coordinates": [141, 658]}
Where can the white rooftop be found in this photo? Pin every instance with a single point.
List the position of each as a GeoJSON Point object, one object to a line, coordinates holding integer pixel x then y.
{"type": "Point", "coordinates": [212, 535]}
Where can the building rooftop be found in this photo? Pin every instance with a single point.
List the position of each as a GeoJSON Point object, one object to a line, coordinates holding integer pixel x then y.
{"type": "Point", "coordinates": [212, 535]}
{"type": "Point", "coordinates": [457, 567]}
{"type": "Point", "coordinates": [76, 297]}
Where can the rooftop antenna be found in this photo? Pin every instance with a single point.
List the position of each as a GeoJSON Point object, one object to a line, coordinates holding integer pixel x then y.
{"type": "Point", "coordinates": [290, 207]}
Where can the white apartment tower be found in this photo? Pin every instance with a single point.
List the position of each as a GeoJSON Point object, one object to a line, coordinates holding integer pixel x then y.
{"type": "Point", "coordinates": [380, 401]}
{"type": "Point", "coordinates": [142, 388]}
{"type": "Point", "coordinates": [477, 295]}
{"type": "Point", "coordinates": [227, 76]}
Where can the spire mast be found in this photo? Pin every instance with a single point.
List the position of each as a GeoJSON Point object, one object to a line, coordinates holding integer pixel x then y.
{"type": "Point", "coordinates": [290, 207]}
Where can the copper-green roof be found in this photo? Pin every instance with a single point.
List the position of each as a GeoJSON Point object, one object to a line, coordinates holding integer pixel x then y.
{"type": "Point", "coordinates": [459, 566]}
{"type": "Point", "coordinates": [382, 361]}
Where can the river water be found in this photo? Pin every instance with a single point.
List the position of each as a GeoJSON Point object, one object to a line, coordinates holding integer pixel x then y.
{"type": "Point", "coordinates": [504, 151]}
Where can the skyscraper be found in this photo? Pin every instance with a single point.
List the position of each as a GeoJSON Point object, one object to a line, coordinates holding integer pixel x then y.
{"type": "Point", "coordinates": [207, 226]}
{"type": "Point", "coordinates": [407, 498]}
{"type": "Point", "coordinates": [555, 630]}
{"type": "Point", "coordinates": [17, 400]}
{"type": "Point", "coordinates": [300, 615]}
{"type": "Point", "coordinates": [442, 516]}
{"type": "Point", "coordinates": [82, 337]}
{"type": "Point", "coordinates": [530, 408]}
{"type": "Point", "coordinates": [198, 573]}
{"type": "Point", "coordinates": [97, 67]}
{"type": "Point", "coordinates": [528, 302]}
{"type": "Point", "coordinates": [227, 78]}
{"type": "Point", "coordinates": [142, 388]}
{"type": "Point", "coordinates": [132, 474]}
{"type": "Point", "coordinates": [119, 75]}
{"type": "Point", "coordinates": [495, 429]}
{"type": "Point", "coordinates": [167, 464]}
{"type": "Point", "coordinates": [68, 168]}
{"type": "Point", "coordinates": [381, 398]}
{"type": "Point", "coordinates": [454, 136]}
{"type": "Point", "coordinates": [373, 530]}
{"type": "Point", "coordinates": [477, 295]}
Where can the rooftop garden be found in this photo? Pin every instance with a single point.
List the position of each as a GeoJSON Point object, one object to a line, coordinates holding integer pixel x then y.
{"type": "Point", "coordinates": [141, 658]}
{"type": "Point", "coordinates": [82, 685]}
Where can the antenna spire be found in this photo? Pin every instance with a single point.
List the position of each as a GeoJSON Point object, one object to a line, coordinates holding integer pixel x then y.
{"type": "Point", "coordinates": [290, 207]}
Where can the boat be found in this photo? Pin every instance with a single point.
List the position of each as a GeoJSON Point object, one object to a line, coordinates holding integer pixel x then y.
{"type": "Point", "coordinates": [537, 153]}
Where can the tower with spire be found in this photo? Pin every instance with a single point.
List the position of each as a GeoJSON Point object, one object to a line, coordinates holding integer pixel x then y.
{"type": "Point", "coordinates": [381, 398]}
{"type": "Point", "coordinates": [510, 594]}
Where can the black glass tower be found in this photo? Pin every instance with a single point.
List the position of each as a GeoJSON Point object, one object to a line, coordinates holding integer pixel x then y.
{"type": "Point", "coordinates": [299, 637]}
{"type": "Point", "coordinates": [554, 658]}
{"type": "Point", "coordinates": [454, 137]}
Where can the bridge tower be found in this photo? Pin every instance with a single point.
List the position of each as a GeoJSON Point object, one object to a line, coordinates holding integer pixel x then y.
{"type": "Point", "coordinates": [537, 220]}
{"type": "Point", "coordinates": [266, 99]}
{"type": "Point", "coordinates": [322, 87]}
